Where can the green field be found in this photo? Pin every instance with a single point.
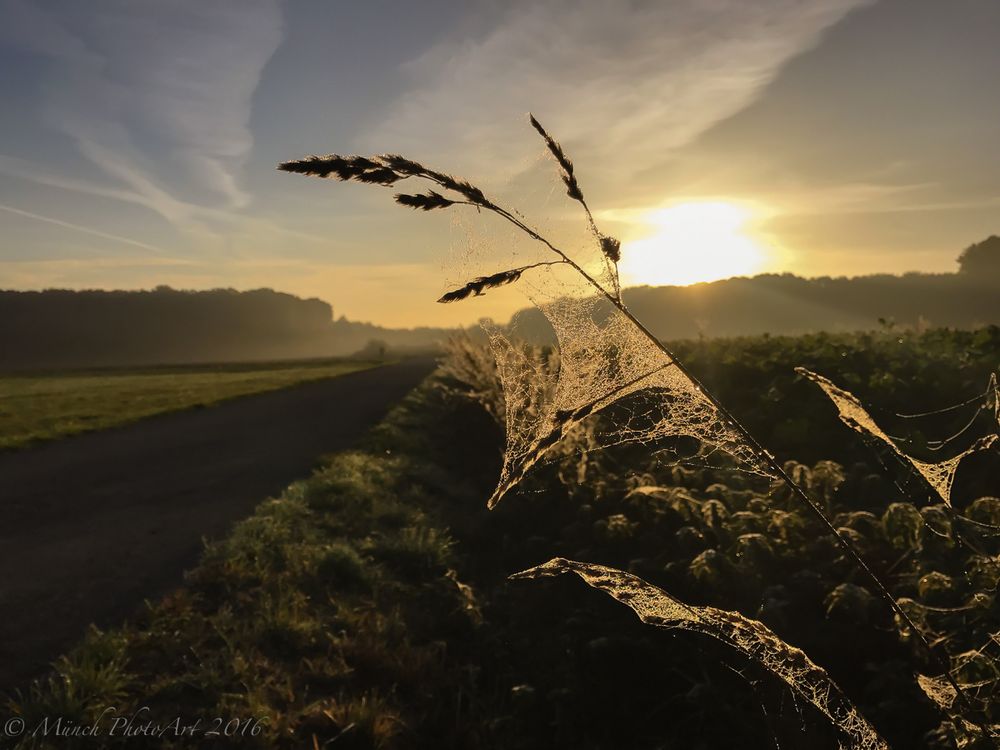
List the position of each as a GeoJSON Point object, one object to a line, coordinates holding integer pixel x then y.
{"type": "Point", "coordinates": [47, 406]}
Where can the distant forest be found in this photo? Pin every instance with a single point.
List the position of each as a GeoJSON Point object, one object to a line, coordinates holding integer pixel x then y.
{"type": "Point", "coordinates": [59, 328]}
{"type": "Point", "coordinates": [787, 304]}
{"type": "Point", "coordinates": [784, 304]}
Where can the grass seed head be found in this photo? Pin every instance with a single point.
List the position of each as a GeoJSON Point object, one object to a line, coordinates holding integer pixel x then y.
{"type": "Point", "coordinates": [611, 247]}
{"type": "Point", "coordinates": [424, 201]}
{"type": "Point", "coordinates": [342, 168]}
{"type": "Point", "coordinates": [477, 286]}
{"type": "Point", "coordinates": [568, 178]}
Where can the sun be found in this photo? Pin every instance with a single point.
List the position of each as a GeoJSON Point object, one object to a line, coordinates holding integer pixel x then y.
{"type": "Point", "coordinates": [692, 242]}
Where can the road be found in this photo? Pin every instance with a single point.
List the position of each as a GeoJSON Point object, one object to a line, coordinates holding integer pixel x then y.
{"type": "Point", "coordinates": [94, 524]}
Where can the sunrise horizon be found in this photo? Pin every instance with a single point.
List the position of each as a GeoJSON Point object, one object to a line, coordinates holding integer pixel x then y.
{"type": "Point", "coordinates": [708, 153]}
{"type": "Point", "coordinates": [515, 303]}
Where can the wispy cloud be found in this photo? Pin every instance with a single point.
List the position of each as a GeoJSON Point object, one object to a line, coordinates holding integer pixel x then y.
{"type": "Point", "coordinates": [158, 95]}
{"type": "Point", "coordinates": [622, 84]}
{"type": "Point", "coordinates": [175, 210]}
{"type": "Point", "coordinates": [862, 198]}
{"type": "Point", "coordinates": [28, 27]}
{"type": "Point", "coordinates": [13, 166]}
{"type": "Point", "coordinates": [77, 227]}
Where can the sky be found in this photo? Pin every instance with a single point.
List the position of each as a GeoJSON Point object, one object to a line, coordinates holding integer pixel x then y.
{"type": "Point", "coordinates": [715, 137]}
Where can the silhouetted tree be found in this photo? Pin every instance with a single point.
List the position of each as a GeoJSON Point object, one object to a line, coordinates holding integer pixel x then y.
{"type": "Point", "coordinates": [62, 328]}
{"type": "Point", "coordinates": [982, 258]}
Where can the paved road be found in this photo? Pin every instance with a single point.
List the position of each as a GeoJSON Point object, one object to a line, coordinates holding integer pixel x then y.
{"type": "Point", "coordinates": [92, 525]}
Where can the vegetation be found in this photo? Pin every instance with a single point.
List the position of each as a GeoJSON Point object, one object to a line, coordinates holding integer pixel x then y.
{"type": "Point", "coordinates": [88, 329]}
{"type": "Point", "coordinates": [609, 364]}
{"type": "Point", "coordinates": [48, 406]}
{"type": "Point", "coordinates": [329, 614]}
{"type": "Point", "coordinates": [60, 328]}
{"type": "Point", "coordinates": [371, 603]}
{"type": "Point", "coordinates": [780, 601]}
{"type": "Point", "coordinates": [982, 259]}
{"type": "Point", "coordinates": [785, 304]}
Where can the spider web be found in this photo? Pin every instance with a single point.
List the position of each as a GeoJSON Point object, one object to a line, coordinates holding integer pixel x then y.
{"type": "Point", "coordinates": [604, 358]}
{"type": "Point", "coordinates": [749, 637]}
{"type": "Point", "coordinates": [939, 475]}
{"type": "Point", "coordinates": [600, 357]}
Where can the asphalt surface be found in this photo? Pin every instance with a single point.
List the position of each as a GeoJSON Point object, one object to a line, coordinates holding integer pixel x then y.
{"type": "Point", "coordinates": [93, 525]}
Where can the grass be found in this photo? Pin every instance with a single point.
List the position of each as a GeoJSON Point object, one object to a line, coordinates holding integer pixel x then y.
{"type": "Point", "coordinates": [321, 619]}
{"type": "Point", "coordinates": [367, 607]}
{"type": "Point", "coordinates": [48, 406]}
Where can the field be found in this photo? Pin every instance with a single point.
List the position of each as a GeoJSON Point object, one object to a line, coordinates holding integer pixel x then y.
{"type": "Point", "coordinates": [47, 406]}
{"type": "Point", "coordinates": [370, 606]}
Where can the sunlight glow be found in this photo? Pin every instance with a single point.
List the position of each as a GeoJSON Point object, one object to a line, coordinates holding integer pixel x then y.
{"type": "Point", "coordinates": [692, 242]}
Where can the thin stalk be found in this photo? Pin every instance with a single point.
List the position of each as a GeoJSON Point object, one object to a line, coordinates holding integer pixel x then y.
{"type": "Point", "coordinates": [612, 265]}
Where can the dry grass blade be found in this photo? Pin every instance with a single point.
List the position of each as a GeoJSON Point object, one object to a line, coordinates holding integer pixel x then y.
{"type": "Point", "coordinates": [749, 637]}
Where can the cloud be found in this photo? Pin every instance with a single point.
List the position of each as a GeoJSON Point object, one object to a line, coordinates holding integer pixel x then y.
{"type": "Point", "coordinates": [13, 166]}
{"type": "Point", "coordinates": [77, 227]}
{"type": "Point", "coordinates": [158, 95]}
{"type": "Point", "coordinates": [621, 84]}
{"type": "Point", "coordinates": [28, 28]}
{"type": "Point", "coordinates": [238, 225]}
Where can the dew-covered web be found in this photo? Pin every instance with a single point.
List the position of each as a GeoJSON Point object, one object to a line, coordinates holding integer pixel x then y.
{"type": "Point", "coordinates": [943, 693]}
{"type": "Point", "coordinates": [569, 269]}
{"type": "Point", "coordinates": [604, 358]}
{"type": "Point", "coordinates": [939, 475]}
{"type": "Point", "coordinates": [749, 637]}
{"type": "Point", "coordinates": [986, 402]}
{"type": "Point", "coordinates": [600, 355]}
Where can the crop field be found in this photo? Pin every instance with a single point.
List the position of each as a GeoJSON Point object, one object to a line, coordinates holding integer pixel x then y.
{"type": "Point", "coordinates": [46, 406]}
{"type": "Point", "coordinates": [371, 606]}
